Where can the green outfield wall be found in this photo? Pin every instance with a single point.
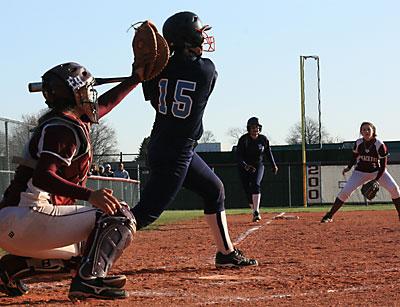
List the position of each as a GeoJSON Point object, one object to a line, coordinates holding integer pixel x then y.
{"type": "Point", "coordinates": [283, 189]}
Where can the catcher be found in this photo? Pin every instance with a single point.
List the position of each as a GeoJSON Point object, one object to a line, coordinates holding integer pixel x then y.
{"type": "Point", "coordinates": [370, 157]}
{"type": "Point", "coordinates": [41, 226]}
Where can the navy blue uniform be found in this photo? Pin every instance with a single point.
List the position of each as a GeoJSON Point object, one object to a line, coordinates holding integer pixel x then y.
{"type": "Point", "coordinates": [179, 95]}
{"type": "Point", "coordinates": [251, 152]}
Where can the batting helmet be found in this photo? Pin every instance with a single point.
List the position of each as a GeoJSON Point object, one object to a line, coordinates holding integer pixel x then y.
{"type": "Point", "coordinates": [185, 30]}
{"type": "Point", "coordinates": [253, 121]}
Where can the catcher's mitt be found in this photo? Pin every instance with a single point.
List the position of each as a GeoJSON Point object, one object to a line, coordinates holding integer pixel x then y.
{"type": "Point", "coordinates": [150, 50]}
{"type": "Point", "coordinates": [370, 189]}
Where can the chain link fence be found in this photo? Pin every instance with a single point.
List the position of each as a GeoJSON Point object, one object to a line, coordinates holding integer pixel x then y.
{"type": "Point", "coordinates": [13, 136]}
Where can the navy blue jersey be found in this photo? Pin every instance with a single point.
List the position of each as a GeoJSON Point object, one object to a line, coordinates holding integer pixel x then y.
{"type": "Point", "coordinates": [252, 151]}
{"type": "Point", "coordinates": [179, 95]}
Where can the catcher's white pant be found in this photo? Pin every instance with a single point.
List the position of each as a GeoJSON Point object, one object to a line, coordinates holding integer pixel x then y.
{"type": "Point", "coordinates": [45, 231]}
{"type": "Point", "coordinates": [358, 178]}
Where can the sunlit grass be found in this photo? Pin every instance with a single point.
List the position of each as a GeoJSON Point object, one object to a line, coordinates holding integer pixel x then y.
{"type": "Point", "coordinates": [171, 216]}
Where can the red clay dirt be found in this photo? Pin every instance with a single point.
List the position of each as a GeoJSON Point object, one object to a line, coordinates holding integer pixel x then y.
{"type": "Point", "coordinates": [353, 261]}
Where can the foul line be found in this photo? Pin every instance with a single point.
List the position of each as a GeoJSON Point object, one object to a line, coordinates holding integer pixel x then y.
{"type": "Point", "coordinates": [255, 228]}
{"type": "Point", "coordinates": [260, 298]}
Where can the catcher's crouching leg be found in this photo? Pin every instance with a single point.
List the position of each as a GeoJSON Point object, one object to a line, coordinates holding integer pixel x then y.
{"type": "Point", "coordinates": [110, 236]}
{"type": "Point", "coordinates": [15, 268]}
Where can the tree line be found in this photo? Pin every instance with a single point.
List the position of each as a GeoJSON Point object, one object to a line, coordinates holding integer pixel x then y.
{"type": "Point", "coordinates": [104, 137]}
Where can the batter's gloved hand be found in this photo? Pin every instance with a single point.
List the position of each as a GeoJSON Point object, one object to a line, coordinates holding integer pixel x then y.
{"type": "Point", "coordinates": [370, 189]}
{"type": "Point", "coordinates": [275, 169]}
{"type": "Point", "coordinates": [249, 168]}
{"type": "Point", "coordinates": [150, 50]}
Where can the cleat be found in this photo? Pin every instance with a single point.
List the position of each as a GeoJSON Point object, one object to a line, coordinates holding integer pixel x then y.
{"type": "Point", "coordinates": [256, 216]}
{"type": "Point", "coordinates": [82, 289]}
{"type": "Point", "coordinates": [233, 259]}
{"type": "Point", "coordinates": [327, 219]}
{"type": "Point", "coordinates": [115, 281]}
{"type": "Point", "coordinates": [11, 286]}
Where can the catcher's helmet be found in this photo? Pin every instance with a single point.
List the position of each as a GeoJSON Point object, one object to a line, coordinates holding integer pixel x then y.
{"type": "Point", "coordinates": [253, 121]}
{"type": "Point", "coordinates": [185, 30]}
{"type": "Point", "coordinates": [68, 85]}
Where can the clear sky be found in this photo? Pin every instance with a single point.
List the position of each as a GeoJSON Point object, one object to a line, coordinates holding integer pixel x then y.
{"type": "Point", "coordinates": [258, 47]}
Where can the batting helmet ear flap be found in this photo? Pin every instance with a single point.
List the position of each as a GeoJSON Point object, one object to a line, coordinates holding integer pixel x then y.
{"type": "Point", "coordinates": [56, 92]}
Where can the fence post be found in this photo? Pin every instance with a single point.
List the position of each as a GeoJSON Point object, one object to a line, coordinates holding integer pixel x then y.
{"type": "Point", "coordinates": [7, 145]}
{"type": "Point", "coordinates": [138, 178]}
{"type": "Point", "coordinates": [290, 187]}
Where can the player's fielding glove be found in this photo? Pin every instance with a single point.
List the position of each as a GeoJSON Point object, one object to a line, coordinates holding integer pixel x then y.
{"type": "Point", "coordinates": [150, 50]}
{"type": "Point", "coordinates": [370, 189]}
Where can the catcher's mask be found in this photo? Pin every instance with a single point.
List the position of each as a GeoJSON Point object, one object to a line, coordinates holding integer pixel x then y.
{"type": "Point", "coordinates": [68, 85]}
{"type": "Point", "coordinates": [185, 30]}
{"type": "Point", "coordinates": [253, 121]}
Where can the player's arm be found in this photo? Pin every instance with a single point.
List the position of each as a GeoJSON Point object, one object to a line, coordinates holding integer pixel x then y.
{"type": "Point", "coordinates": [240, 148]}
{"type": "Point", "coordinates": [45, 177]}
{"type": "Point", "coordinates": [383, 153]}
{"type": "Point", "coordinates": [270, 156]}
{"type": "Point", "coordinates": [353, 159]}
{"type": "Point", "coordinates": [57, 151]}
{"type": "Point", "coordinates": [115, 95]}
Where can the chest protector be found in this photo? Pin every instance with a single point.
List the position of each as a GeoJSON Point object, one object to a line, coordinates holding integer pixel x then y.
{"type": "Point", "coordinates": [76, 172]}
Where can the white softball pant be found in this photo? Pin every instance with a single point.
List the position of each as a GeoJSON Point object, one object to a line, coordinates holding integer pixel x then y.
{"type": "Point", "coordinates": [45, 231]}
{"type": "Point", "coordinates": [358, 178]}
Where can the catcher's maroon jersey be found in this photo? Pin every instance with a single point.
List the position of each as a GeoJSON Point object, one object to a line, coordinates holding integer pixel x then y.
{"type": "Point", "coordinates": [65, 137]}
{"type": "Point", "coordinates": [368, 154]}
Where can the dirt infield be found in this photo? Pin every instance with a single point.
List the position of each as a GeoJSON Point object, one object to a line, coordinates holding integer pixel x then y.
{"type": "Point", "coordinates": [353, 261]}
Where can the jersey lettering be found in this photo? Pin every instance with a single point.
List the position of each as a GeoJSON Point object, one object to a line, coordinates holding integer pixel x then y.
{"type": "Point", "coordinates": [162, 104]}
{"type": "Point", "coordinates": [182, 105]}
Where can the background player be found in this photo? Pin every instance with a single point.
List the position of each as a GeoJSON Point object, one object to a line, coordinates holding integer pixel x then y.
{"type": "Point", "coordinates": [179, 95]}
{"type": "Point", "coordinates": [250, 152]}
{"type": "Point", "coordinates": [39, 218]}
{"type": "Point", "coordinates": [370, 157]}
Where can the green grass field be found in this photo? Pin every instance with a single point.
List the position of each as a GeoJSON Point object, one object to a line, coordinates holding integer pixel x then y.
{"type": "Point", "coordinates": [172, 216]}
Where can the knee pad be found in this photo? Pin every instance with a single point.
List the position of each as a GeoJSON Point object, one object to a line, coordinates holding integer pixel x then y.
{"type": "Point", "coordinates": [111, 235]}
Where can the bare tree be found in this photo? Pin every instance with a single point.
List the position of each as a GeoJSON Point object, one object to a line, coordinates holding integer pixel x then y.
{"type": "Point", "coordinates": [19, 134]}
{"type": "Point", "coordinates": [104, 142]}
{"type": "Point", "coordinates": [312, 133]}
{"type": "Point", "coordinates": [142, 157]}
{"type": "Point", "coordinates": [207, 137]}
{"type": "Point", "coordinates": [235, 134]}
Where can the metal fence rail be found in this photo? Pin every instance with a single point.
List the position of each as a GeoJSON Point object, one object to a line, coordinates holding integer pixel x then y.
{"type": "Point", "coordinates": [124, 189]}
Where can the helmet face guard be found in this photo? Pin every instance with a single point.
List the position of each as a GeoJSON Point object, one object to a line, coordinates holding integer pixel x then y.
{"type": "Point", "coordinates": [86, 97]}
{"type": "Point", "coordinates": [88, 100]}
{"type": "Point", "coordinates": [208, 44]}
